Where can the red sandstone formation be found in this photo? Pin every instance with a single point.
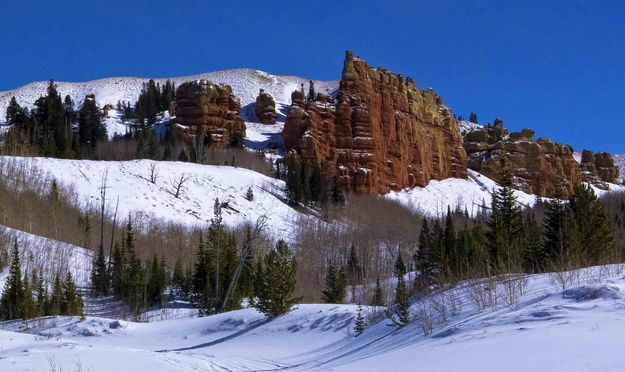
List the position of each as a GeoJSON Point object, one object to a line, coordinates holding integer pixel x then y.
{"type": "Point", "coordinates": [381, 132]}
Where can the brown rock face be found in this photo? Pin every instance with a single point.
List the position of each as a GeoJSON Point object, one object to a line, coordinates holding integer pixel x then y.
{"type": "Point", "coordinates": [381, 132]}
{"type": "Point", "coordinates": [210, 108]}
{"type": "Point", "coordinates": [599, 169]}
{"type": "Point", "coordinates": [536, 165]}
{"type": "Point", "coordinates": [266, 108]}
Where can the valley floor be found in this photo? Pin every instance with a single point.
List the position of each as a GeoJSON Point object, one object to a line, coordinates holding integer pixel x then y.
{"type": "Point", "coordinates": [579, 329]}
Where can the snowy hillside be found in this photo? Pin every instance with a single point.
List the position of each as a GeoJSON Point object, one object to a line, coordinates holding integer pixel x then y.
{"type": "Point", "coordinates": [246, 83]}
{"type": "Point", "coordinates": [47, 254]}
{"type": "Point", "coordinates": [576, 329]}
{"type": "Point", "coordinates": [130, 181]}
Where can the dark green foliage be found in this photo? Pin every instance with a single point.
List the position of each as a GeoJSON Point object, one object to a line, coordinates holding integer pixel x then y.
{"type": "Point", "coordinates": [72, 302]}
{"type": "Point", "coordinates": [90, 127]}
{"type": "Point", "coordinates": [308, 182]}
{"type": "Point", "coordinates": [277, 284]}
{"type": "Point", "coordinates": [335, 284]}
{"type": "Point", "coordinates": [359, 322]}
{"type": "Point", "coordinates": [149, 104]}
{"type": "Point", "coordinates": [99, 275]}
{"type": "Point", "coordinates": [595, 227]}
{"type": "Point", "coordinates": [473, 117]}
{"type": "Point", "coordinates": [157, 281]}
{"type": "Point", "coordinates": [249, 195]}
{"type": "Point", "coordinates": [378, 295]}
{"type": "Point", "coordinates": [399, 313]}
{"type": "Point", "coordinates": [57, 298]}
{"type": "Point", "coordinates": [12, 300]}
{"type": "Point", "coordinates": [505, 225]}
{"type": "Point", "coordinates": [353, 269]}
{"type": "Point", "coordinates": [424, 262]}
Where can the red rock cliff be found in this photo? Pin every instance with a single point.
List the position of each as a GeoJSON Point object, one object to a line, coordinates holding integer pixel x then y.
{"type": "Point", "coordinates": [381, 132]}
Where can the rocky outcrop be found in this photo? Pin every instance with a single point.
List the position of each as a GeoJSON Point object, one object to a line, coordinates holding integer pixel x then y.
{"type": "Point", "coordinates": [212, 109]}
{"type": "Point", "coordinates": [537, 166]}
{"type": "Point", "coordinates": [599, 169]}
{"type": "Point", "coordinates": [265, 108]}
{"type": "Point", "coordinates": [380, 132]}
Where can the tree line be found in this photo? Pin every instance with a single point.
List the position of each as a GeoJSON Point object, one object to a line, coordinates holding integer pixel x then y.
{"type": "Point", "coordinates": [28, 296]}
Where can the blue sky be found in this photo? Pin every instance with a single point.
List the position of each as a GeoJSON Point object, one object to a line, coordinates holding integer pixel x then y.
{"type": "Point", "coordinates": [556, 66]}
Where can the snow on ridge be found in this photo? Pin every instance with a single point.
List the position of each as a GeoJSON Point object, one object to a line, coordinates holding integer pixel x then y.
{"type": "Point", "coordinates": [468, 126]}
{"type": "Point", "coordinates": [137, 195]}
{"type": "Point", "coordinates": [245, 82]}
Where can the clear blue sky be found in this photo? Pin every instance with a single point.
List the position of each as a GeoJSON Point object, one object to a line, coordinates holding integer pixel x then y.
{"type": "Point", "coordinates": [556, 66]}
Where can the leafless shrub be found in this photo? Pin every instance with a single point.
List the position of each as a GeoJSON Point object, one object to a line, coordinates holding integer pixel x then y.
{"type": "Point", "coordinates": [425, 316]}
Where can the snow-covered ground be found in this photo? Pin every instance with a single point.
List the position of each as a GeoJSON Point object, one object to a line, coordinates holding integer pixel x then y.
{"type": "Point", "coordinates": [580, 328]}
{"type": "Point", "coordinates": [245, 83]}
{"type": "Point", "coordinates": [130, 181]}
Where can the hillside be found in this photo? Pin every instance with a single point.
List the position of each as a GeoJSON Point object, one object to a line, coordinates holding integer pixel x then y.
{"type": "Point", "coordinates": [520, 336]}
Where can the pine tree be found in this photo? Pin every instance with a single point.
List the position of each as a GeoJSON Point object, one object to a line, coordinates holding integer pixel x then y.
{"type": "Point", "coordinates": [12, 298]}
{"type": "Point", "coordinates": [594, 224]}
{"type": "Point", "coordinates": [118, 271]}
{"type": "Point", "coordinates": [72, 302]}
{"type": "Point", "coordinates": [99, 275]}
{"type": "Point", "coordinates": [423, 258]}
{"type": "Point", "coordinates": [28, 303]}
{"type": "Point", "coordinates": [56, 298]}
{"type": "Point", "coordinates": [359, 323]}
{"type": "Point", "coordinates": [473, 117]}
{"type": "Point", "coordinates": [505, 224]}
{"type": "Point", "coordinates": [335, 284]}
{"type": "Point", "coordinates": [353, 269]}
{"type": "Point", "coordinates": [378, 294]}
{"type": "Point", "coordinates": [294, 183]}
{"type": "Point", "coordinates": [249, 195]}
{"type": "Point", "coordinates": [399, 313]}
{"type": "Point", "coordinates": [275, 293]}
{"type": "Point", "coordinates": [177, 278]}
{"type": "Point", "coordinates": [90, 127]}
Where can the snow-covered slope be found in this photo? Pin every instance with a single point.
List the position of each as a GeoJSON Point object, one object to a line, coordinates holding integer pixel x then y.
{"type": "Point", "coordinates": [47, 254]}
{"type": "Point", "coordinates": [130, 181]}
{"type": "Point", "coordinates": [455, 193]}
{"type": "Point", "coordinates": [547, 329]}
{"type": "Point", "coordinates": [246, 83]}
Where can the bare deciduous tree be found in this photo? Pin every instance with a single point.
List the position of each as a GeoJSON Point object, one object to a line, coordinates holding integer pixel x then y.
{"type": "Point", "coordinates": [178, 184]}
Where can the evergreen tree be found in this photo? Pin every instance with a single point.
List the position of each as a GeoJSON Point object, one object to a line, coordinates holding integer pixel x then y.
{"type": "Point", "coordinates": [28, 303]}
{"type": "Point", "coordinates": [353, 269]}
{"type": "Point", "coordinates": [118, 271]}
{"type": "Point", "coordinates": [99, 274]}
{"type": "Point", "coordinates": [90, 127]}
{"type": "Point", "coordinates": [12, 300]}
{"type": "Point", "coordinates": [378, 294]}
{"type": "Point", "coordinates": [56, 298]}
{"type": "Point", "coordinates": [335, 284]}
{"type": "Point", "coordinates": [72, 302]}
{"type": "Point", "coordinates": [595, 227]}
{"type": "Point", "coordinates": [562, 241]}
{"type": "Point", "coordinates": [505, 224]}
{"type": "Point", "coordinates": [177, 279]}
{"type": "Point", "coordinates": [399, 313]}
{"type": "Point", "coordinates": [294, 183]}
{"type": "Point", "coordinates": [311, 91]}
{"type": "Point", "coordinates": [359, 323]}
{"type": "Point", "coordinates": [423, 258]}
{"type": "Point", "coordinates": [473, 117]}
{"type": "Point", "coordinates": [276, 287]}
{"type": "Point", "coordinates": [249, 195]}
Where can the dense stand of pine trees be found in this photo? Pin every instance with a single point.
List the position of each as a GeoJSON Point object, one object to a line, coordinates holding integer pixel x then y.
{"type": "Point", "coordinates": [28, 296]}
{"type": "Point", "coordinates": [269, 284]}
{"type": "Point", "coordinates": [309, 182]}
